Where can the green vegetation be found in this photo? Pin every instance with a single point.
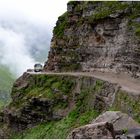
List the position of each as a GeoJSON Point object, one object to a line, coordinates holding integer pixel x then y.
{"type": "Point", "coordinates": [57, 129]}
{"type": "Point", "coordinates": [60, 27]}
{"type": "Point", "coordinates": [125, 131]}
{"type": "Point", "coordinates": [70, 67]}
{"type": "Point", "coordinates": [128, 104]}
{"type": "Point", "coordinates": [82, 112]}
{"type": "Point", "coordinates": [44, 86]}
{"type": "Point", "coordinates": [136, 27]}
{"type": "Point", "coordinates": [72, 2]}
{"type": "Point", "coordinates": [6, 78]}
{"type": "Point", "coordinates": [137, 31]}
{"type": "Point", "coordinates": [55, 87]}
{"type": "Point", "coordinates": [134, 15]}
{"type": "Point", "coordinates": [99, 85]}
{"type": "Point", "coordinates": [6, 82]}
{"type": "Point", "coordinates": [106, 9]}
{"type": "Point", "coordinates": [70, 61]}
{"type": "Point", "coordinates": [102, 10]}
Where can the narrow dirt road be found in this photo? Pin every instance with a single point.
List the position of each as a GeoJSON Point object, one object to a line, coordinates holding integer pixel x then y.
{"type": "Point", "coordinates": [126, 82]}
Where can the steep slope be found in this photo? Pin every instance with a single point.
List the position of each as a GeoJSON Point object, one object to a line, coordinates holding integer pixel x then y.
{"type": "Point", "coordinates": [6, 82]}
{"type": "Point", "coordinates": [51, 106]}
{"type": "Point", "coordinates": [97, 35]}
{"type": "Point", "coordinates": [6, 78]}
{"type": "Point", "coordinates": [90, 36]}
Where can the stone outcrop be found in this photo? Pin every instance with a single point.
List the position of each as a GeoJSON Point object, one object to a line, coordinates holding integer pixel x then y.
{"type": "Point", "coordinates": [35, 111]}
{"type": "Point", "coordinates": [124, 126]}
{"type": "Point", "coordinates": [43, 98]}
{"type": "Point", "coordinates": [133, 133]}
{"type": "Point", "coordinates": [120, 121]}
{"type": "Point", "coordinates": [39, 98]}
{"type": "Point", "coordinates": [89, 36]}
{"type": "Point", "coordinates": [111, 124]}
{"type": "Point", "coordinates": [103, 130]}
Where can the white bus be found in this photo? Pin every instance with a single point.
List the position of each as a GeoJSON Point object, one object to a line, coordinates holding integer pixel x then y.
{"type": "Point", "coordinates": [38, 67]}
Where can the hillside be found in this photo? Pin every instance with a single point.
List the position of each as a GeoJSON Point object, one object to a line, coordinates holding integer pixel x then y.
{"type": "Point", "coordinates": [6, 82]}
{"type": "Point", "coordinates": [6, 78]}
{"type": "Point", "coordinates": [89, 87]}
{"type": "Point", "coordinates": [51, 106]}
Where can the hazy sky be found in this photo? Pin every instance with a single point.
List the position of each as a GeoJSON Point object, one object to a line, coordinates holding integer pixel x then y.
{"type": "Point", "coordinates": [37, 19]}
{"type": "Point", "coordinates": [43, 11]}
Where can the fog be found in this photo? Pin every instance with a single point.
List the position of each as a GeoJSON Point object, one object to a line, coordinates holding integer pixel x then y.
{"type": "Point", "coordinates": [13, 51]}
{"type": "Point", "coordinates": [22, 44]}
{"type": "Point", "coordinates": [26, 30]}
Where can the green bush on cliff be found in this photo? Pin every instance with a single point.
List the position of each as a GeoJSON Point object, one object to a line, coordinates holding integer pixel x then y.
{"type": "Point", "coordinates": [60, 27]}
{"type": "Point", "coordinates": [128, 104]}
{"type": "Point", "coordinates": [57, 129]}
{"type": "Point", "coordinates": [106, 9]}
{"type": "Point", "coordinates": [137, 31]}
{"type": "Point", "coordinates": [134, 22]}
{"type": "Point", "coordinates": [82, 113]}
{"type": "Point", "coordinates": [44, 86]}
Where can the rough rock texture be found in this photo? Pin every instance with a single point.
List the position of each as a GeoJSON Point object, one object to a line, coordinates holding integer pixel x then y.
{"type": "Point", "coordinates": [124, 126]}
{"type": "Point", "coordinates": [89, 36]}
{"type": "Point", "coordinates": [96, 35]}
{"type": "Point", "coordinates": [133, 133]}
{"type": "Point", "coordinates": [43, 98]}
{"type": "Point", "coordinates": [50, 98]}
{"type": "Point", "coordinates": [111, 124]}
{"type": "Point", "coordinates": [102, 130]}
{"type": "Point", "coordinates": [119, 120]}
{"type": "Point", "coordinates": [37, 110]}
{"type": "Point", "coordinates": [39, 98]}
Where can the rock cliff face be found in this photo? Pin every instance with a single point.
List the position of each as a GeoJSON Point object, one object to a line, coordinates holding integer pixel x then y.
{"type": "Point", "coordinates": [90, 36]}
{"type": "Point", "coordinates": [111, 124]}
{"type": "Point", "coordinates": [96, 35]}
{"type": "Point", "coordinates": [44, 98]}
{"type": "Point", "coordinates": [59, 103]}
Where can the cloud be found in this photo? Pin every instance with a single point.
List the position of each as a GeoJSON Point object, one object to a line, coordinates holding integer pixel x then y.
{"type": "Point", "coordinates": [44, 11]}
{"type": "Point", "coordinates": [22, 44]}
{"type": "Point", "coordinates": [13, 52]}
{"type": "Point", "coordinates": [26, 30]}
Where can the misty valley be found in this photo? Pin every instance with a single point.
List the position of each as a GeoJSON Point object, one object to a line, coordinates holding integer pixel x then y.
{"type": "Point", "coordinates": [22, 44]}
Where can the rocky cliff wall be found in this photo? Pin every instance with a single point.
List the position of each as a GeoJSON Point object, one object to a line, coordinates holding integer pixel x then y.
{"type": "Point", "coordinates": [61, 103]}
{"type": "Point", "coordinates": [96, 35]}
{"type": "Point", "coordinates": [39, 98]}
{"type": "Point", "coordinates": [89, 36]}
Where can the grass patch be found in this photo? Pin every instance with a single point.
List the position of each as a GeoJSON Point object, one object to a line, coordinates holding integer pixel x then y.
{"type": "Point", "coordinates": [105, 9]}
{"type": "Point", "coordinates": [58, 129]}
{"type": "Point", "coordinates": [99, 85]}
{"type": "Point", "coordinates": [128, 104]}
{"type": "Point", "coordinates": [45, 86]}
{"type": "Point", "coordinates": [60, 27]}
{"type": "Point", "coordinates": [82, 113]}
